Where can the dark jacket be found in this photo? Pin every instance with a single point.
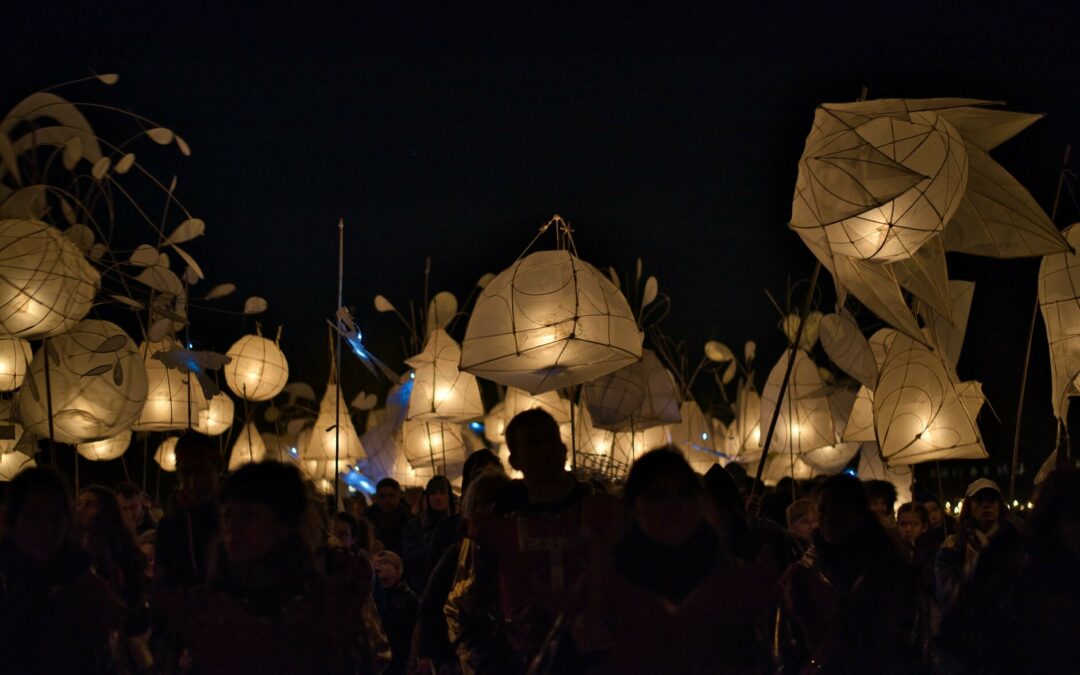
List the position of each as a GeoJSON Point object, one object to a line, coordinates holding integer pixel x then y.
{"type": "Point", "coordinates": [416, 541]}
{"type": "Point", "coordinates": [186, 537]}
{"type": "Point", "coordinates": [434, 637]}
{"type": "Point", "coordinates": [389, 526]}
{"type": "Point", "coordinates": [399, 621]}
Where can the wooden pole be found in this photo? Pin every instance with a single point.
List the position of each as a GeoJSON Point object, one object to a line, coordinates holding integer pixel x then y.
{"type": "Point", "coordinates": [337, 366]}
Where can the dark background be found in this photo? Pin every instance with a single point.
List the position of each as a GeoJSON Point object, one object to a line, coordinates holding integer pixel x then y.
{"type": "Point", "coordinates": [668, 132]}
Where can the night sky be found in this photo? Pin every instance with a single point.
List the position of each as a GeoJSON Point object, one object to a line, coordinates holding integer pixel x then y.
{"type": "Point", "coordinates": [669, 133]}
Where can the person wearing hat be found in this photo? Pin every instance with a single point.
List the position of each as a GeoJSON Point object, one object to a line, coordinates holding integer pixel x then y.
{"type": "Point", "coordinates": [983, 518]}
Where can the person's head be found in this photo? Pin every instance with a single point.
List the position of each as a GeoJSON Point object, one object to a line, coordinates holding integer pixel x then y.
{"type": "Point", "coordinates": [198, 465]}
{"type": "Point", "coordinates": [724, 506]}
{"type": "Point", "coordinates": [931, 503]}
{"type": "Point", "coordinates": [842, 508]}
{"type": "Point", "coordinates": [664, 496]}
{"type": "Point", "coordinates": [882, 497]}
{"type": "Point", "coordinates": [482, 490]}
{"type": "Point", "coordinates": [536, 448]}
{"type": "Point", "coordinates": [346, 529]}
{"type": "Point", "coordinates": [1053, 528]}
{"type": "Point", "coordinates": [263, 505]}
{"type": "Point", "coordinates": [37, 514]}
{"type": "Point", "coordinates": [912, 521]}
{"type": "Point", "coordinates": [439, 496]}
{"type": "Point", "coordinates": [802, 519]}
{"type": "Point", "coordinates": [389, 567]}
{"type": "Point", "coordinates": [476, 463]}
{"type": "Point", "coordinates": [983, 504]}
{"type": "Point", "coordinates": [98, 514]}
{"type": "Point", "coordinates": [388, 494]}
{"type": "Point", "coordinates": [130, 499]}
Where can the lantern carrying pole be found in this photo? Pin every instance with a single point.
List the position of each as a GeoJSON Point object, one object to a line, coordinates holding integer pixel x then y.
{"type": "Point", "coordinates": [1031, 338]}
{"type": "Point", "coordinates": [48, 403]}
{"type": "Point", "coordinates": [337, 364]}
{"type": "Point", "coordinates": [754, 504]}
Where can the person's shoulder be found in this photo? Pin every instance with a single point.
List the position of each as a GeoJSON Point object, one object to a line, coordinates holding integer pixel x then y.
{"type": "Point", "coordinates": [510, 498]}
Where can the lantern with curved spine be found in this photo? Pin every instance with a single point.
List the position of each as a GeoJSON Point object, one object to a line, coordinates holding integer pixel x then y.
{"type": "Point", "coordinates": [15, 356]}
{"type": "Point", "coordinates": [258, 370]}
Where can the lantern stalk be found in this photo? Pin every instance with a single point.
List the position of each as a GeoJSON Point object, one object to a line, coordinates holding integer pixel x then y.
{"type": "Point", "coordinates": [337, 364]}
{"type": "Point", "coordinates": [48, 403]}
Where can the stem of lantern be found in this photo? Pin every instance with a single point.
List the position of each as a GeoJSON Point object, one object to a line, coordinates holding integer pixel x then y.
{"type": "Point", "coordinates": [1031, 338]}
{"type": "Point", "coordinates": [573, 429]}
{"type": "Point", "coordinates": [337, 364]}
{"type": "Point", "coordinates": [754, 505]}
{"type": "Point", "coordinates": [941, 494]}
{"type": "Point", "coordinates": [48, 402]}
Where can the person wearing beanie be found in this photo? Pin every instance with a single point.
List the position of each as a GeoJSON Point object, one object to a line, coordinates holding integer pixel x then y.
{"type": "Point", "coordinates": [266, 608]}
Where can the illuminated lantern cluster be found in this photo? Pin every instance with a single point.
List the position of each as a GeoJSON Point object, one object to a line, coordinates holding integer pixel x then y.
{"type": "Point", "coordinates": [48, 286]}
{"type": "Point", "coordinates": [106, 449]}
{"type": "Point", "coordinates": [440, 391]}
{"type": "Point", "coordinates": [174, 400]}
{"type": "Point", "coordinates": [98, 384]}
{"type": "Point", "coordinates": [165, 455]}
{"type": "Point", "coordinates": [258, 370]}
{"type": "Point", "coordinates": [217, 417]}
{"type": "Point", "coordinates": [550, 321]}
{"type": "Point", "coordinates": [15, 356]}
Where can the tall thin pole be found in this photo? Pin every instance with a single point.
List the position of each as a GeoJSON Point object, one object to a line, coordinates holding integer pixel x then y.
{"type": "Point", "coordinates": [337, 363]}
{"type": "Point", "coordinates": [48, 403]}
{"type": "Point", "coordinates": [754, 505]}
{"type": "Point", "coordinates": [1031, 339]}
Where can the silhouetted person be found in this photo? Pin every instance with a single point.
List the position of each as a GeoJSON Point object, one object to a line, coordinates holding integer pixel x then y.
{"type": "Point", "coordinates": [188, 532]}
{"type": "Point", "coordinates": [941, 523]}
{"type": "Point", "coordinates": [882, 497]}
{"type": "Point", "coordinates": [448, 531]}
{"type": "Point", "coordinates": [399, 617]}
{"type": "Point", "coordinates": [389, 514]}
{"type": "Point", "coordinates": [133, 506]}
{"type": "Point", "coordinates": [437, 505]}
{"type": "Point", "coordinates": [802, 521]}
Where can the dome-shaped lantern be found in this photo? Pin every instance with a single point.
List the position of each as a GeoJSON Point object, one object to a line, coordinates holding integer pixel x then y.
{"type": "Point", "coordinates": [48, 286]}
{"type": "Point", "coordinates": [442, 392]}
{"type": "Point", "coordinates": [174, 400]}
{"type": "Point", "coordinates": [106, 449]}
{"type": "Point", "coordinates": [97, 380]}
{"type": "Point", "coordinates": [550, 321]}
{"type": "Point", "coordinates": [258, 370]}
{"type": "Point", "coordinates": [15, 356]}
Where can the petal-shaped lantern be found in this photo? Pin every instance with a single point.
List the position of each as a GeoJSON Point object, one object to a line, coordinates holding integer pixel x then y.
{"type": "Point", "coordinates": [15, 356]}
{"type": "Point", "coordinates": [440, 391]}
{"type": "Point", "coordinates": [106, 449]}
{"type": "Point", "coordinates": [920, 412]}
{"type": "Point", "coordinates": [218, 415]}
{"type": "Point", "coordinates": [860, 422]}
{"type": "Point", "coordinates": [550, 321]}
{"type": "Point", "coordinates": [165, 455]}
{"type": "Point", "coordinates": [881, 180]}
{"type": "Point", "coordinates": [326, 436]}
{"type": "Point", "coordinates": [98, 384]}
{"type": "Point", "coordinates": [1059, 300]}
{"type": "Point", "coordinates": [848, 348]}
{"type": "Point", "coordinates": [174, 400]}
{"type": "Point", "coordinates": [48, 286]}
{"type": "Point", "coordinates": [258, 370]}
{"type": "Point", "coordinates": [806, 420]}
{"type": "Point", "coordinates": [249, 448]}
{"type": "Point", "coordinates": [12, 463]}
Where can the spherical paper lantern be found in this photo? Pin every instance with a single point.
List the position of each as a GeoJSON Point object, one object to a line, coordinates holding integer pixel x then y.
{"type": "Point", "coordinates": [547, 322]}
{"type": "Point", "coordinates": [165, 455]}
{"type": "Point", "coordinates": [249, 448]}
{"type": "Point", "coordinates": [12, 463]}
{"type": "Point", "coordinates": [433, 445]}
{"type": "Point", "coordinates": [258, 370]}
{"type": "Point", "coordinates": [440, 391]}
{"type": "Point", "coordinates": [880, 181]}
{"type": "Point", "coordinates": [48, 286]}
{"type": "Point", "coordinates": [218, 415]}
{"type": "Point", "coordinates": [106, 449]}
{"type": "Point", "coordinates": [174, 400]}
{"type": "Point", "coordinates": [98, 384]}
{"type": "Point", "coordinates": [15, 356]}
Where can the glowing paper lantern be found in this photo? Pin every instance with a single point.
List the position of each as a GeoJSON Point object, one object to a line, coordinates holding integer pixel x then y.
{"type": "Point", "coordinates": [98, 384]}
{"type": "Point", "coordinates": [218, 415]}
{"type": "Point", "coordinates": [326, 436]}
{"type": "Point", "coordinates": [873, 467]}
{"type": "Point", "coordinates": [1059, 300]}
{"type": "Point", "coordinates": [249, 448]}
{"type": "Point", "coordinates": [518, 401]}
{"type": "Point", "coordinates": [614, 399]}
{"type": "Point", "coordinates": [742, 440]}
{"type": "Point", "coordinates": [780, 465]}
{"type": "Point", "coordinates": [693, 435]}
{"type": "Point", "coordinates": [920, 412]}
{"type": "Point", "coordinates": [662, 400]}
{"type": "Point", "coordinates": [107, 449]}
{"type": "Point", "coordinates": [433, 446]}
{"type": "Point", "coordinates": [848, 348]}
{"type": "Point", "coordinates": [832, 458]}
{"type": "Point", "coordinates": [495, 424]}
{"type": "Point", "coordinates": [174, 400]}
{"type": "Point", "coordinates": [12, 463]}
{"type": "Point", "coordinates": [860, 422]}
{"type": "Point", "coordinates": [15, 355]}
{"type": "Point", "coordinates": [258, 370]}
{"type": "Point", "coordinates": [550, 321]}
{"type": "Point", "coordinates": [48, 286]}
{"type": "Point", "coordinates": [165, 455]}
{"type": "Point", "coordinates": [805, 421]}
{"type": "Point", "coordinates": [440, 391]}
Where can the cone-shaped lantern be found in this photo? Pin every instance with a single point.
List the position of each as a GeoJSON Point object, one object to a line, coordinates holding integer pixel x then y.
{"type": "Point", "coordinates": [98, 384]}
{"type": "Point", "coordinates": [326, 434]}
{"type": "Point", "coordinates": [806, 421]}
{"type": "Point", "coordinates": [249, 448]}
{"type": "Point", "coordinates": [440, 391]}
{"type": "Point", "coordinates": [547, 322]}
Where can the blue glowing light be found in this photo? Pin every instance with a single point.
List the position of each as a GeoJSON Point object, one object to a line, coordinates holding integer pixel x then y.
{"type": "Point", "coordinates": [476, 426]}
{"type": "Point", "coordinates": [852, 472]}
{"type": "Point", "coordinates": [359, 481]}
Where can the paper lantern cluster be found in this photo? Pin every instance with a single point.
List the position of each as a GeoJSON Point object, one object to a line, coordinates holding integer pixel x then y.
{"type": "Point", "coordinates": [547, 322]}
{"type": "Point", "coordinates": [258, 370]}
{"type": "Point", "coordinates": [98, 384]}
{"type": "Point", "coordinates": [48, 286]}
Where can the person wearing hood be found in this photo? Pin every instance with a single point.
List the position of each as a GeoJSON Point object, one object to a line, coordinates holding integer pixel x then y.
{"type": "Point", "coordinates": [438, 505]}
{"type": "Point", "coordinates": [852, 601]}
